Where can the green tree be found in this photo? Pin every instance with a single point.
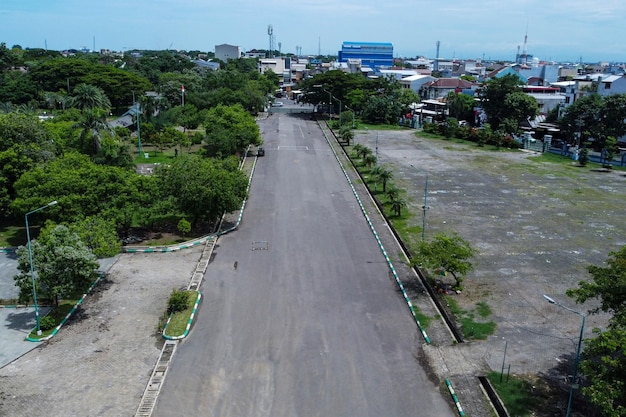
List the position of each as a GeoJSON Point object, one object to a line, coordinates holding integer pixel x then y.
{"type": "Point", "coordinates": [89, 97]}
{"type": "Point", "coordinates": [493, 98]}
{"type": "Point", "coordinates": [92, 127]}
{"type": "Point", "coordinates": [8, 58]}
{"type": "Point", "coordinates": [81, 187]}
{"type": "Point", "coordinates": [397, 205]}
{"type": "Point", "coordinates": [449, 252]}
{"type": "Point", "coordinates": [203, 189]}
{"type": "Point", "coordinates": [461, 106]}
{"type": "Point", "coordinates": [24, 143]}
{"type": "Point", "coordinates": [369, 160]}
{"type": "Point", "coordinates": [384, 175]}
{"type": "Point", "coordinates": [346, 134]}
{"type": "Point", "coordinates": [230, 129]}
{"type": "Point", "coordinates": [519, 107]}
{"type": "Point", "coordinates": [604, 358]}
{"type": "Point", "coordinates": [99, 235]}
{"type": "Point", "coordinates": [65, 266]}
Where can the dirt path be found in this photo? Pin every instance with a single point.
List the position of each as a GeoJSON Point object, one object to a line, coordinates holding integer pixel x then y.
{"type": "Point", "coordinates": [99, 364]}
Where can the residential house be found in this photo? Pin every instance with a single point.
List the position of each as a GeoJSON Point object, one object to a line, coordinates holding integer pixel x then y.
{"type": "Point", "coordinates": [416, 81]}
{"type": "Point", "coordinates": [442, 86]}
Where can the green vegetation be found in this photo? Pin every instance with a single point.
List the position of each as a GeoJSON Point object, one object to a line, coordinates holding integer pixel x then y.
{"type": "Point", "coordinates": [469, 325]}
{"type": "Point", "coordinates": [422, 318]}
{"type": "Point", "coordinates": [518, 395]}
{"type": "Point", "coordinates": [50, 321]}
{"type": "Point", "coordinates": [180, 308]}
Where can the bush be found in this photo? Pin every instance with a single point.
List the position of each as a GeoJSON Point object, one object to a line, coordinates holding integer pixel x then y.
{"type": "Point", "coordinates": [184, 226]}
{"type": "Point", "coordinates": [177, 302]}
{"type": "Point", "coordinates": [47, 323]}
{"type": "Point", "coordinates": [197, 138]}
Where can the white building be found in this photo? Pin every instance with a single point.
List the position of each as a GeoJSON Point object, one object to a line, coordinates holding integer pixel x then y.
{"type": "Point", "coordinates": [224, 52]}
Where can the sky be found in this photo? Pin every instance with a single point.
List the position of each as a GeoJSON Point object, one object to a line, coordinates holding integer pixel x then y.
{"type": "Point", "coordinates": [556, 30]}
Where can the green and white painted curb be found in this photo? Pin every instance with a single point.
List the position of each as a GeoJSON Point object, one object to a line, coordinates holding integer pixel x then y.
{"type": "Point", "coordinates": [67, 316]}
{"type": "Point", "coordinates": [189, 323]}
{"type": "Point", "coordinates": [455, 399]}
{"type": "Point", "coordinates": [380, 245]}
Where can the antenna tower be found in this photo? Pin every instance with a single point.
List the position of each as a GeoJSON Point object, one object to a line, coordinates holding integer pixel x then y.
{"type": "Point", "coordinates": [270, 33]}
{"type": "Point", "coordinates": [524, 54]}
{"type": "Point", "coordinates": [436, 65]}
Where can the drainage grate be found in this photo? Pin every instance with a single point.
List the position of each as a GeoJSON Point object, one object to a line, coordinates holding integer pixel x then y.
{"type": "Point", "coordinates": [260, 245]}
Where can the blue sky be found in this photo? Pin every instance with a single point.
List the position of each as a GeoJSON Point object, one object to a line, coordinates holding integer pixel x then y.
{"type": "Point", "coordinates": [557, 30]}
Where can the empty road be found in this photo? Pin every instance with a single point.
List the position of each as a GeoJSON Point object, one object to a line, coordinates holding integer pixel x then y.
{"type": "Point", "coordinates": [300, 314]}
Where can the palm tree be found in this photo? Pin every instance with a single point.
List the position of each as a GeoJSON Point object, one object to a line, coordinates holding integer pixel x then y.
{"type": "Point", "coordinates": [384, 175]}
{"type": "Point", "coordinates": [356, 149]}
{"type": "Point", "coordinates": [346, 134]}
{"type": "Point", "coordinates": [369, 159]}
{"type": "Point", "coordinates": [393, 193]}
{"type": "Point", "coordinates": [89, 97]}
{"type": "Point", "coordinates": [93, 124]}
{"type": "Point", "coordinates": [397, 205]}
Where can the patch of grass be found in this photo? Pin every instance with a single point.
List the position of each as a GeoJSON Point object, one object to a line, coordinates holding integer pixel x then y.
{"type": "Point", "coordinates": [469, 326]}
{"type": "Point", "coordinates": [178, 322]}
{"type": "Point", "coordinates": [483, 309]}
{"type": "Point", "coordinates": [516, 393]}
{"type": "Point", "coordinates": [364, 126]}
{"type": "Point", "coordinates": [155, 157]}
{"type": "Point", "coordinates": [12, 235]}
{"type": "Point", "coordinates": [421, 317]}
{"type": "Point", "coordinates": [57, 314]}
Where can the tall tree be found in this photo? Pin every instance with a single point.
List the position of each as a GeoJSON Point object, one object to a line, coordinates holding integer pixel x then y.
{"type": "Point", "coordinates": [203, 189]}
{"type": "Point", "coordinates": [65, 266]}
{"type": "Point", "coordinates": [87, 97]}
{"type": "Point", "coordinates": [604, 357]}
{"type": "Point", "coordinates": [494, 95]}
{"type": "Point", "coordinates": [230, 129]}
{"type": "Point", "coordinates": [92, 126]}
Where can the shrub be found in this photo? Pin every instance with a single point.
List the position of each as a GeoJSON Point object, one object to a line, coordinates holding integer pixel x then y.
{"type": "Point", "coordinates": [184, 226]}
{"type": "Point", "coordinates": [177, 302]}
{"type": "Point", "coordinates": [47, 323]}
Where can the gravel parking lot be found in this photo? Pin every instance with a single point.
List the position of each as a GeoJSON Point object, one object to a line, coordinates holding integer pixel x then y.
{"type": "Point", "coordinates": [100, 362]}
{"type": "Point", "coordinates": [536, 226]}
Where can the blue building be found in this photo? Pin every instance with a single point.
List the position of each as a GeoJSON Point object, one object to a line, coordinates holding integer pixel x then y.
{"type": "Point", "coordinates": [371, 54]}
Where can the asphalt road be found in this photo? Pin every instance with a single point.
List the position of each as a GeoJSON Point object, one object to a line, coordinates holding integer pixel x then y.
{"type": "Point", "coordinates": [300, 315]}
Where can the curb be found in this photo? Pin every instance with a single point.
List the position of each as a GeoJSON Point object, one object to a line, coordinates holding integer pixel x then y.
{"type": "Point", "coordinates": [189, 323]}
{"type": "Point", "coordinates": [67, 316]}
{"type": "Point", "coordinates": [380, 244]}
{"type": "Point", "coordinates": [456, 400]}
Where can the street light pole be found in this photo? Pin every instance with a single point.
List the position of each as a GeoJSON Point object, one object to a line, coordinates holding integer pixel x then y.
{"type": "Point", "coordinates": [573, 384]}
{"type": "Point", "coordinates": [425, 206]}
{"type": "Point", "coordinates": [330, 101]}
{"type": "Point", "coordinates": [32, 268]}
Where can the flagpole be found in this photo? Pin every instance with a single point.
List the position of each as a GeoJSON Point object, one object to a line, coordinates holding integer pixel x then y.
{"type": "Point", "coordinates": [182, 94]}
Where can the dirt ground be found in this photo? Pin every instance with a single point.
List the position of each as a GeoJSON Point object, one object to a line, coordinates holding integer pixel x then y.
{"type": "Point", "coordinates": [100, 362]}
{"type": "Point", "coordinates": [536, 226]}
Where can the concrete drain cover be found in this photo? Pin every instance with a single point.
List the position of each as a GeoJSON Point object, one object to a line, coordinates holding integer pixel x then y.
{"type": "Point", "coordinates": [260, 245]}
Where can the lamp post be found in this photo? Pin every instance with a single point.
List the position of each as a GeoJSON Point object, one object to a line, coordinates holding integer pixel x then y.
{"type": "Point", "coordinates": [573, 384]}
{"type": "Point", "coordinates": [353, 124]}
{"type": "Point", "coordinates": [330, 101]}
{"type": "Point", "coordinates": [32, 268]}
{"type": "Point", "coordinates": [424, 207]}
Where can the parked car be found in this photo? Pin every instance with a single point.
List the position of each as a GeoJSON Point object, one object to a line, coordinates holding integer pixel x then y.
{"type": "Point", "coordinates": [260, 152]}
